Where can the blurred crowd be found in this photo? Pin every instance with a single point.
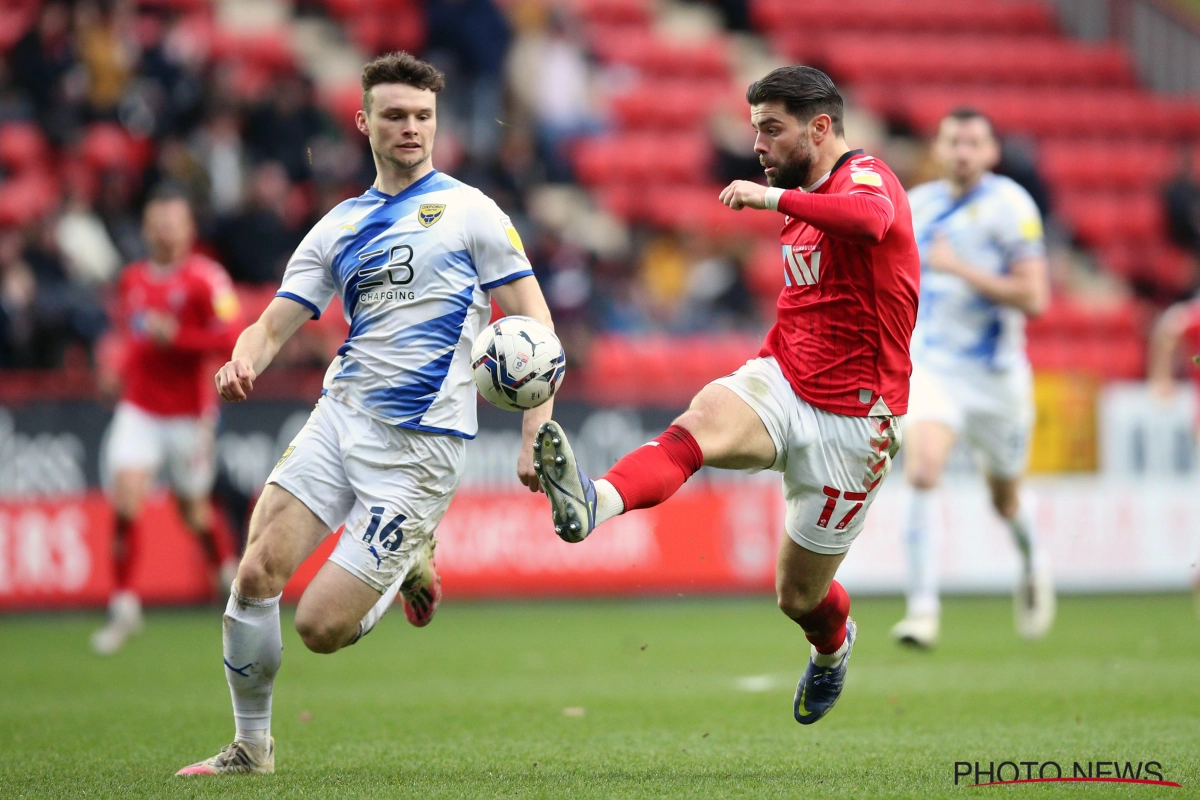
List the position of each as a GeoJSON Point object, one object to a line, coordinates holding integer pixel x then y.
{"type": "Point", "coordinates": [102, 100]}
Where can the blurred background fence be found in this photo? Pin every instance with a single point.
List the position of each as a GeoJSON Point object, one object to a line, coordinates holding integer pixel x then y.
{"type": "Point", "coordinates": [605, 129]}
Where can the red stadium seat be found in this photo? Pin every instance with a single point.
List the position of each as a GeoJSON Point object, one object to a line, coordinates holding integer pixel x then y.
{"type": "Point", "coordinates": [662, 58]}
{"type": "Point", "coordinates": [820, 17]}
{"type": "Point", "coordinates": [614, 12]}
{"type": "Point", "coordinates": [1099, 220]}
{"type": "Point", "coordinates": [1072, 164]}
{"type": "Point", "coordinates": [22, 146]}
{"type": "Point", "coordinates": [108, 146]}
{"type": "Point", "coordinates": [638, 157]}
{"type": "Point", "coordinates": [670, 104]}
{"type": "Point", "coordinates": [269, 51]}
{"type": "Point", "coordinates": [26, 198]}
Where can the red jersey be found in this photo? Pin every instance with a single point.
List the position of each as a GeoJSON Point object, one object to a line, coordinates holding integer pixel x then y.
{"type": "Point", "coordinates": [1191, 341]}
{"type": "Point", "coordinates": [174, 378]}
{"type": "Point", "coordinates": [851, 280]}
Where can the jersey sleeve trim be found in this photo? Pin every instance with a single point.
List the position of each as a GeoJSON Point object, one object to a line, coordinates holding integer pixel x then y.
{"type": "Point", "coordinates": [525, 273]}
{"type": "Point", "coordinates": [311, 306]}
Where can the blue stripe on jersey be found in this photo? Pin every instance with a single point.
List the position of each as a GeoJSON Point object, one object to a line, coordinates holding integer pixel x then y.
{"type": "Point", "coordinates": [310, 305]}
{"type": "Point", "coordinates": [346, 264]}
{"type": "Point", "coordinates": [413, 398]}
{"type": "Point", "coordinates": [509, 278]}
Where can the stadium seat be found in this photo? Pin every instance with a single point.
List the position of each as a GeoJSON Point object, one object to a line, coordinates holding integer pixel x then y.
{"type": "Point", "coordinates": [614, 12]}
{"type": "Point", "coordinates": [22, 147]}
{"type": "Point", "coordinates": [1099, 220]}
{"type": "Point", "coordinates": [108, 146]}
{"type": "Point", "coordinates": [814, 18]}
{"type": "Point", "coordinates": [269, 51]}
{"type": "Point", "coordinates": [661, 158]}
{"type": "Point", "coordinates": [680, 105]}
{"type": "Point", "coordinates": [1072, 164]}
{"type": "Point", "coordinates": [657, 57]}
{"type": "Point", "coordinates": [26, 198]}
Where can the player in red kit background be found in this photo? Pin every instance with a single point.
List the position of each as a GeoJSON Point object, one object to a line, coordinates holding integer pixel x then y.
{"type": "Point", "coordinates": [175, 312]}
{"type": "Point", "coordinates": [823, 401]}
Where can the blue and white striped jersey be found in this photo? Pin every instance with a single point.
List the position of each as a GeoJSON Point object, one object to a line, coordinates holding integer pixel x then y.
{"type": "Point", "coordinates": [413, 272]}
{"type": "Point", "coordinates": [990, 227]}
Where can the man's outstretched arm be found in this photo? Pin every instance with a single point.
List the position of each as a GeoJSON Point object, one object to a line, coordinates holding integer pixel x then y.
{"type": "Point", "coordinates": [258, 345]}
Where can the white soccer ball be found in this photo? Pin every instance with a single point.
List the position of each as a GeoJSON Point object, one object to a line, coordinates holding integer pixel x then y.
{"type": "Point", "coordinates": [518, 363]}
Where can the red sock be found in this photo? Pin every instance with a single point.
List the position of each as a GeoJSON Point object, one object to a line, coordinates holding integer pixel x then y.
{"type": "Point", "coordinates": [124, 552]}
{"type": "Point", "coordinates": [655, 471]}
{"type": "Point", "coordinates": [825, 625]}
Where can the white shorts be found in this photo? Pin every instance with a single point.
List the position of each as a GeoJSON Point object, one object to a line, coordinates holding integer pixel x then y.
{"type": "Point", "coordinates": [832, 464]}
{"type": "Point", "coordinates": [390, 486]}
{"type": "Point", "coordinates": [139, 440]}
{"type": "Point", "coordinates": [992, 410]}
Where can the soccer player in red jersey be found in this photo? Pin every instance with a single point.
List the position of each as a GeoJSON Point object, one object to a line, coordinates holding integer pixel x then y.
{"type": "Point", "coordinates": [823, 401]}
{"type": "Point", "coordinates": [175, 312]}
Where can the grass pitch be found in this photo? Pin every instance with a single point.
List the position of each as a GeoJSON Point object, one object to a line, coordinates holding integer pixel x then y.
{"type": "Point", "coordinates": [669, 698]}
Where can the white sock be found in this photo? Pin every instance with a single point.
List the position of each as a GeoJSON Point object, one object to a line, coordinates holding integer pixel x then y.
{"type": "Point", "coordinates": [608, 501]}
{"type": "Point", "coordinates": [253, 652]}
{"type": "Point", "coordinates": [379, 609]}
{"type": "Point", "coordinates": [923, 541]}
{"type": "Point", "coordinates": [830, 659]}
{"type": "Point", "coordinates": [1023, 528]}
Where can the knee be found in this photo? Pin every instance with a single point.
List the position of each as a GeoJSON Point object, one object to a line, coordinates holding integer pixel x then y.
{"type": "Point", "coordinates": [260, 575]}
{"type": "Point", "coordinates": [923, 475]}
{"type": "Point", "coordinates": [320, 635]}
{"type": "Point", "coordinates": [797, 601]}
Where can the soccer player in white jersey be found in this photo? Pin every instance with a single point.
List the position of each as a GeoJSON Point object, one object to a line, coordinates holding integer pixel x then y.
{"type": "Point", "coordinates": [415, 261]}
{"type": "Point", "coordinates": [983, 271]}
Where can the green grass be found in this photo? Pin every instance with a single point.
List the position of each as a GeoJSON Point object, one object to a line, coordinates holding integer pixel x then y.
{"type": "Point", "coordinates": [473, 705]}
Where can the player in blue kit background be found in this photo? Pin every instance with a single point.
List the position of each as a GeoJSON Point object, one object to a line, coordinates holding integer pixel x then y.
{"type": "Point", "coordinates": [415, 260]}
{"type": "Point", "coordinates": [983, 271]}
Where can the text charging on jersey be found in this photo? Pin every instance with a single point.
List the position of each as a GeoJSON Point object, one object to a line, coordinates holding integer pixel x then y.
{"type": "Point", "coordinates": [413, 271]}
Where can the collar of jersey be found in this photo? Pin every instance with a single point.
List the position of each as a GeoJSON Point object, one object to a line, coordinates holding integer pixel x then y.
{"type": "Point", "coordinates": [846, 156]}
{"type": "Point", "coordinates": [408, 191]}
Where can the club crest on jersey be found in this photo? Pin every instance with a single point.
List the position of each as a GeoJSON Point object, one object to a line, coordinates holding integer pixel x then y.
{"type": "Point", "coordinates": [799, 268]}
{"type": "Point", "coordinates": [430, 213]}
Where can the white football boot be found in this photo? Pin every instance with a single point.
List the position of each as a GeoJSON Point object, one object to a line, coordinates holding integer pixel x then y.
{"type": "Point", "coordinates": [1034, 602]}
{"type": "Point", "coordinates": [124, 620]}
{"type": "Point", "coordinates": [918, 630]}
{"type": "Point", "coordinates": [238, 758]}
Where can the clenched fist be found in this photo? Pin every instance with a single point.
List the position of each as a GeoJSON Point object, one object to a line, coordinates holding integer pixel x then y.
{"type": "Point", "coordinates": [235, 380]}
{"type": "Point", "coordinates": [744, 194]}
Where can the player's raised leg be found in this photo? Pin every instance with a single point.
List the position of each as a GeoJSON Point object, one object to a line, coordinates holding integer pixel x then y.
{"type": "Point", "coordinates": [1033, 597]}
{"type": "Point", "coordinates": [283, 532]}
{"type": "Point", "coordinates": [810, 597]}
{"type": "Point", "coordinates": [718, 429]}
{"type": "Point", "coordinates": [927, 447]}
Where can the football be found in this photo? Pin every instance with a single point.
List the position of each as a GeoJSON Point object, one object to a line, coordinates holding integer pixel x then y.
{"type": "Point", "coordinates": [518, 363]}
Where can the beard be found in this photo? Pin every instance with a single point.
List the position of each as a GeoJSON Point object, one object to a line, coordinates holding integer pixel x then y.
{"type": "Point", "coordinates": [793, 172]}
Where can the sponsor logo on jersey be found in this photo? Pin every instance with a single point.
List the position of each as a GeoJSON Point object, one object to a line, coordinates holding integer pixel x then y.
{"type": "Point", "coordinates": [800, 269]}
{"type": "Point", "coordinates": [285, 455]}
{"type": "Point", "coordinates": [514, 238]}
{"type": "Point", "coordinates": [430, 213]}
{"type": "Point", "coordinates": [866, 176]}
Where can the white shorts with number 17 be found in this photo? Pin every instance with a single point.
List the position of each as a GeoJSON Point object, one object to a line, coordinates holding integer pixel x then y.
{"type": "Point", "coordinates": [832, 464]}
{"type": "Point", "coordinates": [390, 486]}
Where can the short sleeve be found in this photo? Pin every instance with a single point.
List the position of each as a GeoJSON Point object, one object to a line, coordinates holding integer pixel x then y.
{"type": "Point", "coordinates": [495, 247]}
{"type": "Point", "coordinates": [308, 279]}
{"type": "Point", "coordinates": [1019, 226]}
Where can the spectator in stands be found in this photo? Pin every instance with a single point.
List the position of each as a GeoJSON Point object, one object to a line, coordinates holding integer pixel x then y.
{"type": "Point", "coordinates": [1181, 199]}
{"type": "Point", "coordinates": [218, 148]}
{"type": "Point", "coordinates": [88, 252]}
{"type": "Point", "coordinates": [107, 54]}
{"type": "Point", "coordinates": [474, 36]}
{"type": "Point", "coordinates": [45, 67]}
{"type": "Point", "coordinates": [115, 207]}
{"type": "Point", "coordinates": [18, 288]}
{"type": "Point", "coordinates": [178, 166]}
{"type": "Point", "coordinates": [283, 128]}
{"type": "Point", "coordinates": [256, 243]}
{"type": "Point", "coordinates": [549, 73]}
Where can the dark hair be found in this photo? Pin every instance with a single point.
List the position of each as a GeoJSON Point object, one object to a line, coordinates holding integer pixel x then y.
{"type": "Point", "coordinates": [805, 92]}
{"type": "Point", "coordinates": [964, 113]}
{"type": "Point", "coordinates": [400, 67]}
{"type": "Point", "coordinates": [168, 190]}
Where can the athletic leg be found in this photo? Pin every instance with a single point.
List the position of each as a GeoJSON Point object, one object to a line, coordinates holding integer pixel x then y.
{"type": "Point", "coordinates": [719, 429]}
{"type": "Point", "coordinates": [1034, 604]}
{"type": "Point", "coordinates": [927, 447]}
{"type": "Point", "coordinates": [124, 607]}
